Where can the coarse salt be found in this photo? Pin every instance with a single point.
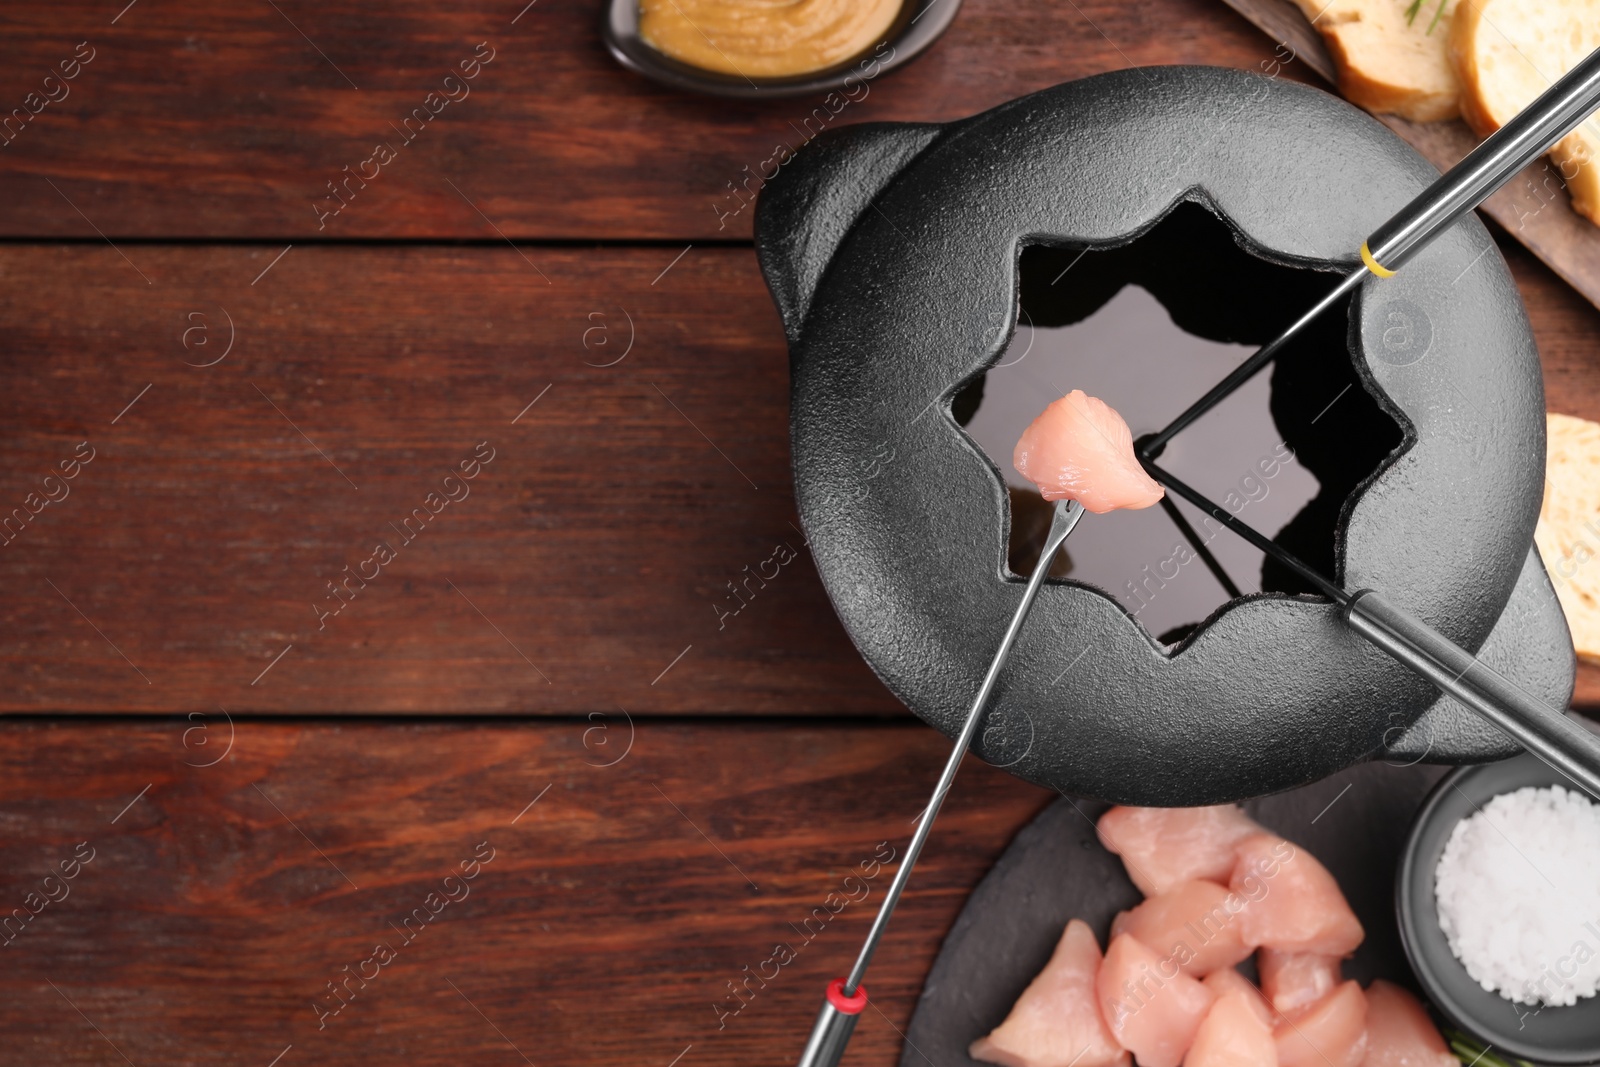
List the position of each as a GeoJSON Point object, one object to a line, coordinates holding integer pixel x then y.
{"type": "Point", "coordinates": [1518, 890]}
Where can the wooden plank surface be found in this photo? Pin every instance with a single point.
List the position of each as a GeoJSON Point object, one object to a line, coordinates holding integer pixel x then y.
{"type": "Point", "coordinates": [1533, 207]}
{"type": "Point", "coordinates": [200, 119]}
{"type": "Point", "coordinates": [594, 549]}
{"type": "Point", "coordinates": [257, 417]}
{"type": "Point", "coordinates": [219, 901]}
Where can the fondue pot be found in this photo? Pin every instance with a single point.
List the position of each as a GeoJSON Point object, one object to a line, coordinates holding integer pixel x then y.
{"type": "Point", "coordinates": [893, 251]}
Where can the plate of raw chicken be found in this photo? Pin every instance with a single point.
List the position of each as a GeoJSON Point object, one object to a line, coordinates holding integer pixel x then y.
{"type": "Point", "coordinates": [1260, 935]}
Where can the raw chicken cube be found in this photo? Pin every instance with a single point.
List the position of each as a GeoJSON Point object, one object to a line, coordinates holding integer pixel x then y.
{"type": "Point", "coordinates": [1330, 1033]}
{"type": "Point", "coordinates": [1292, 902]}
{"type": "Point", "coordinates": [1162, 847]}
{"type": "Point", "coordinates": [1229, 980]}
{"type": "Point", "coordinates": [1292, 980]}
{"type": "Point", "coordinates": [1233, 1035]}
{"type": "Point", "coordinates": [1080, 449]}
{"type": "Point", "coordinates": [1196, 922]}
{"type": "Point", "coordinates": [1056, 1022]}
{"type": "Point", "coordinates": [1152, 1007]}
{"type": "Point", "coordinates": [1399, 1032]}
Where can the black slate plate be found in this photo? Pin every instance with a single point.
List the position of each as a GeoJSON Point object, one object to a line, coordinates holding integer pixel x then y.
{"type": "Point", "coordinates": [1355, 822]}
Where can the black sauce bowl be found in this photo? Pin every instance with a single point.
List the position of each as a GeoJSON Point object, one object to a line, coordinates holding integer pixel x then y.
{"type": "Point", "coordinates": [1554, 1035]}
{"type": "Point", "coordinates": [919, 24]}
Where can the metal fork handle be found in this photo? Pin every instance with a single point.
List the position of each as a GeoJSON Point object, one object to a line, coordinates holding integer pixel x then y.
{"type": "Point", "coordinates": [831, 1032]}
{"type": "Point", "coordinates": [1544, 731]}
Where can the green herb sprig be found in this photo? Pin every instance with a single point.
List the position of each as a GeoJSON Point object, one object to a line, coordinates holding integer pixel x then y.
{"type": "Point", "coordinates": [1468, 1049]}
{"type": "Point", "coordinates": [1416, 7]}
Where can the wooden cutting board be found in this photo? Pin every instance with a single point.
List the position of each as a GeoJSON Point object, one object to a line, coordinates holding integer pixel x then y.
{"type": "Point", "coordinates": [1533, 207]}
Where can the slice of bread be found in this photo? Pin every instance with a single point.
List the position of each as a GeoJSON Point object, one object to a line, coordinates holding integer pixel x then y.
{"type": "Point", "coordinates": [1507, 52]}
{"type": "Point", "coordinates": [1568, 534]}
{"type": "Point", "coordinates": [1388, 60]}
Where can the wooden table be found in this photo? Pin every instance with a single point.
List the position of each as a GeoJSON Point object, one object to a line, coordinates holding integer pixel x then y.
{"type": "Point", "coordinates": [269, 776]}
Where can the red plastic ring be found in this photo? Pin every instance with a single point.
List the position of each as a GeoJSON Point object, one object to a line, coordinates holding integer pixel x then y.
{"type": "Point", "coordinates": [848, 1005]}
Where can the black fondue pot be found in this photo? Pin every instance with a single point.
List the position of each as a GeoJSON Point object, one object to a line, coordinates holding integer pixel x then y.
{"type": "Point", "coordinates": [893, 253]}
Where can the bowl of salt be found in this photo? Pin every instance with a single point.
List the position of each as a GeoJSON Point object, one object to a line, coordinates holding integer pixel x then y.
{"type": "Point", "coordinates": [1498, 900]}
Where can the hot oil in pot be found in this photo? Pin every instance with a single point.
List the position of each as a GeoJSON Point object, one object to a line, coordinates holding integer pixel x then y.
{"type": "Point", "coordinates": [1148, 327]}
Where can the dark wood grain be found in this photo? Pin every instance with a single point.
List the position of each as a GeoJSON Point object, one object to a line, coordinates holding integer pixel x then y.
{"type": "Point", "coordinates": [1533, 207]}
{"type": "Point", "coordinates": [605, 930]}
{"type": "Point", "coordinates": [598, 544]}
{"type": "Point", "coordinates": [1284, 23]}
{"type": "Point", "coordinates": [222, 120]}
{"type": "Point", "coordinates": [641, 863]}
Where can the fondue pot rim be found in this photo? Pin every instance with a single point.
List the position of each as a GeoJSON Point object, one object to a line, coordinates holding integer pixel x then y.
{"type": "Point", "coordinates": [1261, 698]}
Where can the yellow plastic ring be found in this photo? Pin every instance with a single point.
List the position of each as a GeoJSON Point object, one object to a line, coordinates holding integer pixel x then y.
{"type": "Point", "coordinates": [1372, 264]}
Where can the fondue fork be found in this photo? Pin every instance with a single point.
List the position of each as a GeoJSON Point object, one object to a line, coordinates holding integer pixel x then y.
{"type": "Point", "coordinates": [846, 997]}
{"type": "Point", "coordinates": [1529, 134]}
{"type": "Point", "coordinates": [1544, 731]}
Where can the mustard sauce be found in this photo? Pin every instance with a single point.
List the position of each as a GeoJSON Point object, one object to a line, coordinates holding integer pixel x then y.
{"type": "Point", "coordinates": [764, 38]}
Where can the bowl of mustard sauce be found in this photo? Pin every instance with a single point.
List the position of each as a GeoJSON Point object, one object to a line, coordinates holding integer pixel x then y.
{"type": "Point", "coordinates": [768, 49]}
